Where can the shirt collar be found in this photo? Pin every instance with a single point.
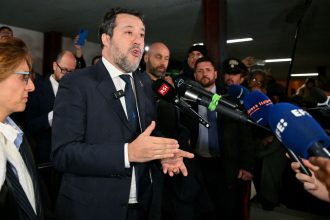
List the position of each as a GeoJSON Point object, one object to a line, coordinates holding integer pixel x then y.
{"type": "Point", "coordinates": [113, 71]}
{"type": "Point", "coordinates": [12, 132]}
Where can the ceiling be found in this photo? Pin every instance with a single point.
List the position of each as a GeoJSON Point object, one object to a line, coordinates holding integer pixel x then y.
{"type": "Point", "coordinates": [178, 23]}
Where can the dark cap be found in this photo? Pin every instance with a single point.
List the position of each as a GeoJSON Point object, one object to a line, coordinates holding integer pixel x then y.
{"type": "Point", "coordinates": [201, 48]}
{"type": "Point", "coordinates": [234, 66]}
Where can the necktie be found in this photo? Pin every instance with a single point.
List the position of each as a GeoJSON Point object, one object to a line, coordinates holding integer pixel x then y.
{"type": "Point", "coordinates": [213, 133]}
{"type": "Point", "coordinates": [141, 169]}
{"type": "Point", "coordinates": [132, 114]}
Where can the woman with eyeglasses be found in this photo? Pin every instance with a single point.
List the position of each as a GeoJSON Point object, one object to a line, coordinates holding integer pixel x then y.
{"type": "Point", "coordinates": [19, 194]}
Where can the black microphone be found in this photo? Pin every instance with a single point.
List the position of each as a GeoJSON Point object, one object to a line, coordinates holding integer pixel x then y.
{"type": "Point", "coordinates": [222, 109]}
{"type": "Point", "coordinates": [118, 94]}
{"type": "Point", "coordinates": [167, 92]}
{"type": "Point", "coordinates": [198, 88]}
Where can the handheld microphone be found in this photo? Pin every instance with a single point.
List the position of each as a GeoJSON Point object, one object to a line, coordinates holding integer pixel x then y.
{"type": "Point", "coordinates": [299, 131]}
{"type": "Point", "coordinates": [167, 92]}
{"type": "Point", "coordinates": [238, 91]}
{"type": "Point", "coordinates": [222, 109]}
{"type": "Point", "coordinates": [257, 106]}
{"type": "Point", "coordinates": [183, 85]}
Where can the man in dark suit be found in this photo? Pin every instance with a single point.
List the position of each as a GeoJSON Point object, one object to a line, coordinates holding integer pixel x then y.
{"type": "Point", "coordinates": [224, 152]}
{"type": "Point", "coordinates": [101, 141]}
{"type": "Point", "coordinates": [39, 110]}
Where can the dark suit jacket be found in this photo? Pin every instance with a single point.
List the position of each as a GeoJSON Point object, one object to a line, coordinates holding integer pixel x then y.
{"type": "Point", "coordinates": [40, 103]}
{"type": "Point", "coordinates": [14, 205]}
{"type": "Point", "coordinates": [89, 131]}
{"type": "Point", "coordinates": [237, 148]}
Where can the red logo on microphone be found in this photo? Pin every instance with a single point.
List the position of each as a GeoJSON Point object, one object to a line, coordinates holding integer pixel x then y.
{"type": "Point", "coordinates": [163, 89]}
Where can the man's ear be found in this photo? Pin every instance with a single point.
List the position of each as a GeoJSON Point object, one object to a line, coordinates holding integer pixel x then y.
{"type": "Point", "coordinates": [105, 39]}
{"type": "Point", "coordinates": [146, 57]}
{"type": "Point", "coordinates": [54, 66]}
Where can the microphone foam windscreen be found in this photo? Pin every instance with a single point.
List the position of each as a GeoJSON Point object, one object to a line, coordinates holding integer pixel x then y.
{"type": "Point", "coordinates": [257, 106]}
{"type": "Point", "coordinates": [295, 128]}
{"type": "Point", "coordinates": [164, 90]}
{"type": "Point", "coordinates": [237, 91]}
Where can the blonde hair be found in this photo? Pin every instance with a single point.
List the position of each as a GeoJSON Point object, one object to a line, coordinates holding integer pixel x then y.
{"type": "Point", "coordinates": [13, 51]}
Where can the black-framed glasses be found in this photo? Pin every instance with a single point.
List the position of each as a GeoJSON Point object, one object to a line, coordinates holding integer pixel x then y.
{"type": "Point", "coordinates": [63, 70]}
{"type": "Point", "coordinates": [26, 76]}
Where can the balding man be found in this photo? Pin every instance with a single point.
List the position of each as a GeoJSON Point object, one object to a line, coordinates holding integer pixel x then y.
{"type": "Point", "coordinates": [39, 111]}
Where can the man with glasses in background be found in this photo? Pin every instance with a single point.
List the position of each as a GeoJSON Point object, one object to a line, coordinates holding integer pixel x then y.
{"type": "Point", "coordinates": [39, 111]}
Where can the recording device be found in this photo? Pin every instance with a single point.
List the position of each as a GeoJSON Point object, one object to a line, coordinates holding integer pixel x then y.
{"type": "Point", "coordinates": [118, 94]}
{"type": "Point", "coordinates": [220, 108]}
{"type": "Point", "coordinates": [237, 91]}
{"type": "Point", "coordinates": [183, 85]}
{"type": "Point", "coordinates": [257, 106]}
{"type": "Point", "coordinates": [82, 36]}
{"type": "Point", "coordinates": [167, 92]}
{"type": "Point", "coordinates": [297, 130]}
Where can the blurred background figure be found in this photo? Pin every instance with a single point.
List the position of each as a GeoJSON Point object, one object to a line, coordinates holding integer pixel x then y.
{"type": "Point", "coordinates": [194, 53]}
{"type": "Point", "coordinates": [6, 31]}
{"type": "Point", "coordinates": [257, 80]}
{"type": "Point", "coordinates": [305, 91]}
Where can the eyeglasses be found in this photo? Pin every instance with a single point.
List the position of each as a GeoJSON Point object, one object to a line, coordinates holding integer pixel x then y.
{"type": "Point", "coordinates": [257, 81]}
{"type": "Point", "coordinates": [26, 76]}
{"type": "Point", "coordinates": [63, 70]}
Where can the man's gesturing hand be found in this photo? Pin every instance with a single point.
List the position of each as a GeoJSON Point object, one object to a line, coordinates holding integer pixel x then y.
{"type": "Point", "coordinates": [146, 148]}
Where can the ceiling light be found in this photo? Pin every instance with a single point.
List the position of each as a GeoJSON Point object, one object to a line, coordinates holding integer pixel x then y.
{"type": "Point", "coordinates": [198, 44]}
{"type": "Point", "coordinates": [146, 48]}
{"type": "Point", "coordinates": [239, 40]}
{"type": "Point", "coordinates": [304, 74]}
{"type": "Point", "coordinates": [278, 60]}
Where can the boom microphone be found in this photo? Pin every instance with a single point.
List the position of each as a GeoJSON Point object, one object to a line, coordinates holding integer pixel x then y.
{"type": "Point", "coordinates": [167, 92]}
{"type": "Point", "coordinates": [297, 130]}
{"type": "Point", "coordinates": [194, 86]}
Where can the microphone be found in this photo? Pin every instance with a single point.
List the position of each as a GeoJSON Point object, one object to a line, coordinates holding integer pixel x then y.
{"type": "Point", "coordinates": [238, 91]}
{"type": "Point", "coordinates": [222, 109]}
{"type": "Point", "coordinates": [118, 94]}
{"type": "Point", "coordinates": [257, 106]}
{"type": "Point", "coordinates": [299, 131]}
{"type": "Point", "coordinates": [198, 88]}
{"type": "Point", "coordinates": [167, 92]}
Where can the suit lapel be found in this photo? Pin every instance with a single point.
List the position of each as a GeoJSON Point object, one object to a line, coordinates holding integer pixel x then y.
{"type": "Point", "coordinates": [18, 193]}
{"type": "Point", "coordinates": [107, 88]}
{"type": "Point", "coordinates": [141, 99]}
{"type": "Point", "coordinates": [26, 153]}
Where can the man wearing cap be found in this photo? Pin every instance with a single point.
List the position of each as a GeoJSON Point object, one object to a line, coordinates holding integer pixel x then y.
{"type": "Point", "coordinates": [234, 71]}
{"type": "Point", "coordinates": [194, 53]}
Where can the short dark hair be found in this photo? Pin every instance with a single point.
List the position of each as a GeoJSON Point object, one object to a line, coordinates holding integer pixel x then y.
{"type": "Point", "coordinates": [6, 28]}
{"type": "Point", "coordinates": [109, 20]}
{"type": "Point", "coordinates": [205, 59]}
